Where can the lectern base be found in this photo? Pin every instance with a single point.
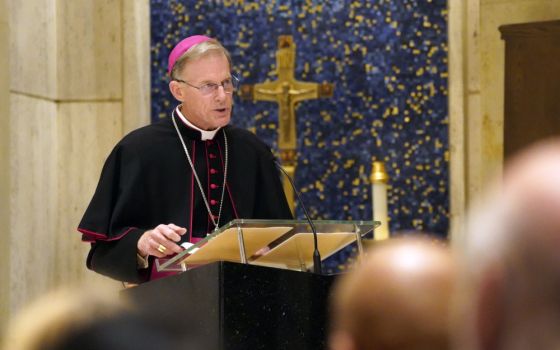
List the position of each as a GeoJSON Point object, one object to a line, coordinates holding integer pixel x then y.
{"type": "Point", "coordinates": [235, 306]}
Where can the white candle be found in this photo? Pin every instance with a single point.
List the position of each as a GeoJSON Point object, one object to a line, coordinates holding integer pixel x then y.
{"type": "Point", "coordinates": [379, 180]}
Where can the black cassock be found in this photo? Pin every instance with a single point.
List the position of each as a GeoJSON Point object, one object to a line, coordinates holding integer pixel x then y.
{"type": "Point", "coordinates": [147, 181]}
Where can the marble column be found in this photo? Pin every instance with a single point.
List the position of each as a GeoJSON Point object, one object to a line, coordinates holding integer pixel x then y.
{"type": "Point", "coordinates": [70, 62]}
{"type": "Point", "coordinates": [4, 165]}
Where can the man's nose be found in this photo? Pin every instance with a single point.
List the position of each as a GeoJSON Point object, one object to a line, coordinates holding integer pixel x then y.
{"type": "Point", "coordinates": [220, 92]}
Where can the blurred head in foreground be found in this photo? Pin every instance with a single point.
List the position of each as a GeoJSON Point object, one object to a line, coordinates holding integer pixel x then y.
{"type": "Point", "coordinates": [80, 319]}
{"type": "Point", "coordinates": [398, 297]}
{"type": "Point", "coordinates": [510, 259]}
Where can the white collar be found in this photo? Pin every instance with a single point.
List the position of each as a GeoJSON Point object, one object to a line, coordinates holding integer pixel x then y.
{"type": "Point", "coordinates": [205, 134]}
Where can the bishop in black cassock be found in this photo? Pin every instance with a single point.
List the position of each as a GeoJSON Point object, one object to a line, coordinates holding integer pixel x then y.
{"type": "Point", "coordinates": [147, 181]}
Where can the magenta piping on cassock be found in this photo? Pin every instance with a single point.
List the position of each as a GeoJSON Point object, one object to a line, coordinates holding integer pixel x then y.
{"type": "Point", "coordinates": [101, 236]}
{"type": "Point", "coordinates": [208, 220]}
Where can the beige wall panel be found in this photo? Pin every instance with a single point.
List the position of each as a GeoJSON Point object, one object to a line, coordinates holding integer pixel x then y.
{"type": "Point", "coordinates": [475, 167]}
{"type": "Point", "coordinates": [472, 34]}
{"type": "Point", "coordinates": [87, 133]}
{"type": "Point", "coordinates": [495, 13]}
{"type": "Point", "coordinates": [4, 164]}
{"type": "Point", "coordinates": [89, 49]}
{"type": "Point", "coordinates": [456, 100]}
{"type": "Point", "coordinates": [475, 161]}
{"type": "Point", "coordinates": [57, 125]}
{"type": "Point", "coordinates": [57, 154]}
{"type": "Point", "coordinates": [476, 96]}
{"type": "Point", "coordinates": [136, 66]}
{"type": "Point", "coordinates": [32, 42]}
{"type": "Point", "coordinates": [33, 198]}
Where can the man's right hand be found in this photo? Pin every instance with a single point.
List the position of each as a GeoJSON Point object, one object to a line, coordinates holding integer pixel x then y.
{"type": "Point", "coordinates": [161, 241]}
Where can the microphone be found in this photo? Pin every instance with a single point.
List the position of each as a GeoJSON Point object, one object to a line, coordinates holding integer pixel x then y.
{"type": "Point", "coordinates": [317, 267]}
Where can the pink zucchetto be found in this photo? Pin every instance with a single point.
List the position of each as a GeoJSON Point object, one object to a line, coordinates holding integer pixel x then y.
{"type": "Point", "coordinates": [182, 47]}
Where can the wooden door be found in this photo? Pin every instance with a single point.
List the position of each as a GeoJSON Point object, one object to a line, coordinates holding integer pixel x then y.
{"type": "Point", "coordinates": [532, 83]}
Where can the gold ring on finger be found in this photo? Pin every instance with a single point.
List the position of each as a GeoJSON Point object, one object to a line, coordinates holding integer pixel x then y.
{"type": "Point", "coordinates": [161, 248]}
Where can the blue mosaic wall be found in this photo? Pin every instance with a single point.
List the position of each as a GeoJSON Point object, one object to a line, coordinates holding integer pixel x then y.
{"type": "Point", "coordinates": [388, 61]}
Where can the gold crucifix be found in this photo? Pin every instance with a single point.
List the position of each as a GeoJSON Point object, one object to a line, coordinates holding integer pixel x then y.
{"type": "Point", "coordinates": [287, 92]}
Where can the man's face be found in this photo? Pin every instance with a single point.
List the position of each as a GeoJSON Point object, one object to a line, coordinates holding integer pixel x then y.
{"type": "Point", "coordinates": [207, 112]}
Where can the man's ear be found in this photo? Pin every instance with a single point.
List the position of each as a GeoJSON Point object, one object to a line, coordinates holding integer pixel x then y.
{"type": "Point", "coordinates": [176, 91]}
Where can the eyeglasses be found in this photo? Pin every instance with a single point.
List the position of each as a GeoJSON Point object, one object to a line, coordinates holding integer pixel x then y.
{"type": "Point", "coordinates": [229, 86]}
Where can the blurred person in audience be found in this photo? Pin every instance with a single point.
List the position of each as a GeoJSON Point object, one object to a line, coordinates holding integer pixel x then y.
{"type": "Point", "coordinates": [509, 258]}
{"type": "Point", "coordinates": [79, 319]}
{"type": "Point", "coordinates": [398, 297]}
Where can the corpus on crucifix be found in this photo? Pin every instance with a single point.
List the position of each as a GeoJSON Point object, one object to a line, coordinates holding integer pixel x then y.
{"type": "Point", "coordinates": [287, 92]}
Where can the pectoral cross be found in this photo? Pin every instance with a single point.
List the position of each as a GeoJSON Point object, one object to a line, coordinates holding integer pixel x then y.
{"type": "Point", "coordinates": [287, 92]}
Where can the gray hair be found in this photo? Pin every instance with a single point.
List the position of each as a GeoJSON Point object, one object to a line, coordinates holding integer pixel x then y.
{"type": "Point", "coordinates": [205, 48]}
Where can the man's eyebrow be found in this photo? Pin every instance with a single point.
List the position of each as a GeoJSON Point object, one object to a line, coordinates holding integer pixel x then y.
{"type": "Point", "coordinates": [204, 82]}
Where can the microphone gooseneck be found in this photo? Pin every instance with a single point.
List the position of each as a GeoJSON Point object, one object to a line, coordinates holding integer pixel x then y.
{"type": "Point", "coordinates": [317, 266]}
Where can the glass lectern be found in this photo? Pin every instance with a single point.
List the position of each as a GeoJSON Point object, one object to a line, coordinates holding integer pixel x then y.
{"type": "Point", "coordinates": [286, 244]}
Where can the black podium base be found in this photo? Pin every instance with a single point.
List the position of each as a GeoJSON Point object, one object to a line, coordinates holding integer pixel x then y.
{"type": "Point", "coordinates": [232, 306]}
